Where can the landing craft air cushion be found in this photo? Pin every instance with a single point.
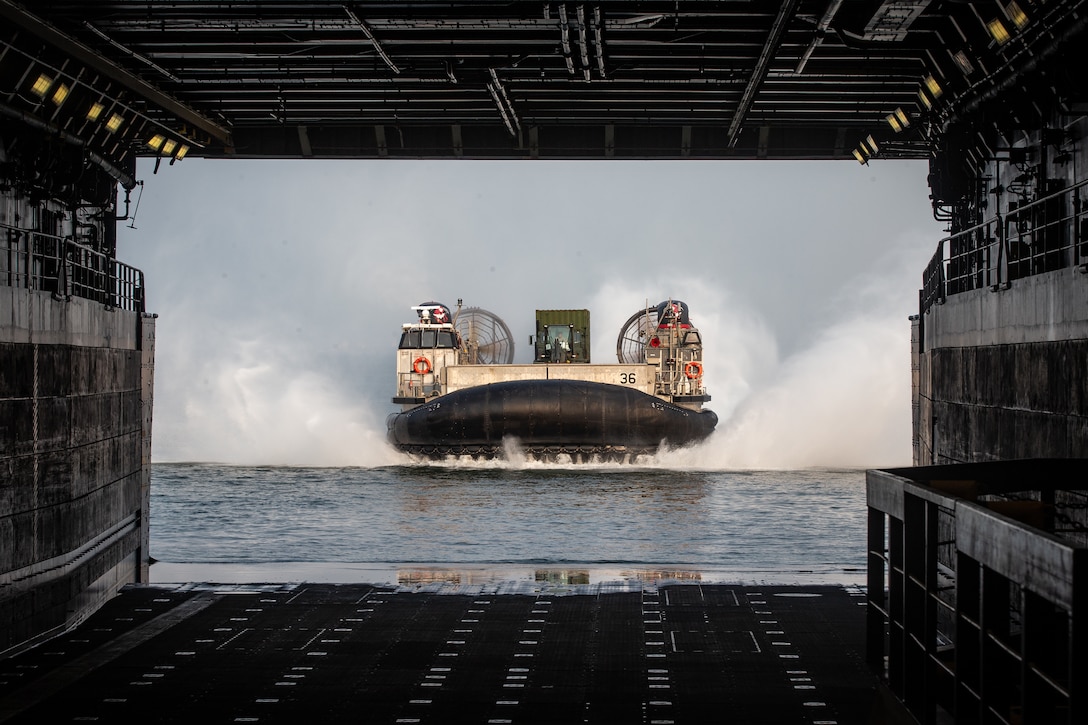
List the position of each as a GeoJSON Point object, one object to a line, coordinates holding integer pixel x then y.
{"type": "Point", "coordinates": [461, 395]}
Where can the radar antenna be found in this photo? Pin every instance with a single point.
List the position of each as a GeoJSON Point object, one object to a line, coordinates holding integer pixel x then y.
{"type": "Point", "coordinates": [486, 337]}
{"type": "Point", "coordinates": [635, 333]}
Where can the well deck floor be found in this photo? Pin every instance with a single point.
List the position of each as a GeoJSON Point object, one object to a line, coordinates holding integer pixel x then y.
{"type": "Point", "coordinates": [326, 653]}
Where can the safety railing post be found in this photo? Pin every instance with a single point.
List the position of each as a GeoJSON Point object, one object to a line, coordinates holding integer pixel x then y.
{"type": "Point", "coordinates": [67, 269]}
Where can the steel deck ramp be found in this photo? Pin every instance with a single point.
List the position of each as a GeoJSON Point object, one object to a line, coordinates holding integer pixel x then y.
{"type": "Point", "coordinates": [678, 653]}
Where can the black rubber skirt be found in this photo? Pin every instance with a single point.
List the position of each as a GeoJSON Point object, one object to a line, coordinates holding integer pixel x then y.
{"type": "Point", "coordinates": [547, 416]}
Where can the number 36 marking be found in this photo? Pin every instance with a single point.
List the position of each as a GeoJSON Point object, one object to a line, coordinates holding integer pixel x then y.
{"type": "Point", "coordinates": [627, 378]}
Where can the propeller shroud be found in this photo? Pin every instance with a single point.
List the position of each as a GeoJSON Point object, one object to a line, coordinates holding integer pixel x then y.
{"type": "Point", "coordinates": [634, 335]}
{"type": "Point", "coordinates": [486, 337]}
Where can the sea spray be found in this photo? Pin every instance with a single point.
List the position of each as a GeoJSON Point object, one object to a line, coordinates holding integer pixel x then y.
{"type": "Point", "coordinates": [257, 403]}
{"type": "Point", "coordinates": [738, 347]}
{"type": "Point", "coordinates": [841, 399]}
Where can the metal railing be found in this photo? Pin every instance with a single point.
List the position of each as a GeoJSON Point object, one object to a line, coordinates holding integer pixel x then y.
{"type": "Point", "coordinates": [976, 591]}
{"type": "Point", "coordinates": [48, 263]}
{"type": "Point", "coordinates": [1033, 237]}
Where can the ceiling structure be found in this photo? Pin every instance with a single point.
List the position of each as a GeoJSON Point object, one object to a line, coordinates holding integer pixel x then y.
{"type": "Point", "coordinates": [739, 79]}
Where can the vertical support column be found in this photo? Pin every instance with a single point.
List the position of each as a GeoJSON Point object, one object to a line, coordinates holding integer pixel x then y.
{"type": "Point", "coordinates": [876, 613]}
{"type": "Point", "coordinates": [919, 610]}
{"type": "Point", "coordinates": [147, 387]}
{"type": "Point", "coordinates": [915, 387]}
{"type": "Point", "coordinates": [928, 648]}
{"type": "Point", "coordinates": [1044, 639]}
{"type": "Point", "coordinates": [1077, 661]}
{"type": "Point", "coordinates": [969, 640]}
{"type": "Point", "coordinates": [35, 449]}
{"type": "Point", "coordinates": [895, 607]}
{"type": "Point", "coordinates": [999, 675]}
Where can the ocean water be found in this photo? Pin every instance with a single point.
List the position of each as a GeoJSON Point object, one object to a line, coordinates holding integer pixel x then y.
{"type": "Point", "coordinates": [483, 520]}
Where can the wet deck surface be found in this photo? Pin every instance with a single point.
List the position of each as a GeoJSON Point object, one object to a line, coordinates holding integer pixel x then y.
{"type": "Point", "coordinates": [683, 653]}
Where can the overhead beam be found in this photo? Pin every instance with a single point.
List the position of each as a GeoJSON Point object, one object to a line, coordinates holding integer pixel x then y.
{"type": "Point", "coordinates": [373, 40]}
{"type": "Point", "coordinates": [506, 109]}
{"type": "Point", "coordinates": [494, 141]}
{"type": "Point", "coordinates": [818, 37]}
{"type": "Point", "coordinates": [131, 53]}
{"type": "Point", "coordinates": [763, 64]}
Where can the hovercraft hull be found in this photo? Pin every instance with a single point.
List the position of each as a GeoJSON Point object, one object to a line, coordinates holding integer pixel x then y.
{"type": "Point", "coordinates": [547, 417]}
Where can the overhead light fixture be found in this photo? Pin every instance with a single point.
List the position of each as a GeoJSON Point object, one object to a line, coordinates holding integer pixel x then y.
{"type": "Point", "coordinates": [95, 111]}
{"type": "Point", "coordinates": [998, 31]}
{"type": "Point", "coordinates": [898, 120]}
{"type": "Point", "coordinates": [859, 156]}
{"type": "Point", "coordinates": [933, 87]}
{"type": "Point", "coordinates": [156, 141]}
{"type": "Point", "coordinates": [169, 146]}
{"type": "Point", "coordinates": [42, 85]}
{"type": "Point", "coordinates": [872, 144]}
{"type": "Point", "coordinates": [181, 152]}
{"type": "Point", "coordinates": [114, 123]}
{"type": "Point", "coordinates": [60, 94]}
{"type": "Point", "coordinates": [964, 63]}
{"type": "Point", "coordinates": [925, 100]}
{"type": "Point", "coordinates": [1016, 14]}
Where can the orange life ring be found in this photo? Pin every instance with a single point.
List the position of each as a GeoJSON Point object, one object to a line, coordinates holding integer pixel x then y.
{"type": "Point", "coordinates": [693, 370]}
{"type": "Point", "coordinates": [421, 365]}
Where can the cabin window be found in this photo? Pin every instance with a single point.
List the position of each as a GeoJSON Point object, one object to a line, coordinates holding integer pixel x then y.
{"type": "Point", "coordinates": [426, 339]}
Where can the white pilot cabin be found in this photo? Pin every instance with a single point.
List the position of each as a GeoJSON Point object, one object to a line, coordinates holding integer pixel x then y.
{"type": "Point", "coordinates": [426, 348]}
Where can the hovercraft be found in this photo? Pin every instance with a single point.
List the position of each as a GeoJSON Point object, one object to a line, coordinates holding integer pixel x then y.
{"type": "Point", "coordinates": [461, 394]}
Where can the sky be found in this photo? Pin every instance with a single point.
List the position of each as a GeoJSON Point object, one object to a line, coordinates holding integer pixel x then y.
{"type": "Point", "coordinates": [280, 287]}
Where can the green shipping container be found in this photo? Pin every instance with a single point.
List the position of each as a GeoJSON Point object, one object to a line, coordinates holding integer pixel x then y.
{"type": "Point", "coordinates": [562, 336]}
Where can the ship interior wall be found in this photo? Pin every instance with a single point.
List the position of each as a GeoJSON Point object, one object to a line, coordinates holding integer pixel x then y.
{"type": "Point", "coordinates": [76, 361]}
{"type": "Point", "coordinates": [1001, 341]}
